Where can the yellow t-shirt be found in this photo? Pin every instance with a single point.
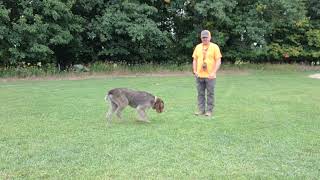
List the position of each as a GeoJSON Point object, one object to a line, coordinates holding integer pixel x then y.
{"type": "Point", "coordinates": [208, 54]}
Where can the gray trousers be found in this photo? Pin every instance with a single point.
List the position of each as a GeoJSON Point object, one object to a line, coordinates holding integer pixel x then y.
{"type": "Point", "coordinates": [205, 85]}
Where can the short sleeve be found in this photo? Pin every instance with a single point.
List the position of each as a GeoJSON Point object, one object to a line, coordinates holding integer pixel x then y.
{"type": "Point", "coordinates": [194, 55]}
{"type": "Point", "coordinates": [217, 53]}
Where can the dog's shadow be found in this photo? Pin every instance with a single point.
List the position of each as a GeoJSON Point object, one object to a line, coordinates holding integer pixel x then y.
{"type": "Point", "coordinates": [127, 121]}
{"type": "Point", "coordinates": [133, 121]}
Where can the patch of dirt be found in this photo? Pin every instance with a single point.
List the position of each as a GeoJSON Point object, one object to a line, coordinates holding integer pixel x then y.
{"type": "Point", "coordinates": [82, 76]}
{"type": "Point", "coordinates": [316, 76]}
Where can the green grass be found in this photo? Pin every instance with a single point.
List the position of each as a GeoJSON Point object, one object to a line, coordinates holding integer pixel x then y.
{"type": "Point", "coordinates": [50, 70]}
{"type": "Point", "coordinates": [266, 126]}
{"type": "Point", "coordinates": [107, 68]}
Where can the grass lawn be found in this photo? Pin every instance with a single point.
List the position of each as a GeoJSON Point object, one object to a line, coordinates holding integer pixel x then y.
{"type": "Point", "coordinates": [266, 125]}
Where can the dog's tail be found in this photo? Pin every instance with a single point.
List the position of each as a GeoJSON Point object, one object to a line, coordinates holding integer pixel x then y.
{"type": "Point", "coordinates": [108, 97]}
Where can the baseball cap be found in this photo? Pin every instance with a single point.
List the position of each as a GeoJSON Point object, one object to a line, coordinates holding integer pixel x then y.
{"type": "Point", "coordinates": [205, 33]}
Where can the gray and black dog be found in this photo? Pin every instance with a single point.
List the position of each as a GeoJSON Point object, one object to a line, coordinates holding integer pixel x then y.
{"type": "Point", "coordinates": [119, 98]}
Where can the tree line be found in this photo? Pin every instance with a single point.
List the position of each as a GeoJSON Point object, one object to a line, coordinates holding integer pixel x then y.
{"type": "Point", "coordinates": [65, 32]}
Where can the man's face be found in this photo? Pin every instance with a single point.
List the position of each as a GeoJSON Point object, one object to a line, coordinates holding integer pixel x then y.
{"type": "Point", "coordinates": [205, 40]}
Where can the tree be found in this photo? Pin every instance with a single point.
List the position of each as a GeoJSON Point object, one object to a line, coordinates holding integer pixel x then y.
{"type": "Point", "coordinates": [138, 31]}
{"type": "Point", "coordinates": [37, 30]}
{"type": "Point", "coordinates": [4, 32]}
{"type": "Point", "coordinates": [125, 32]}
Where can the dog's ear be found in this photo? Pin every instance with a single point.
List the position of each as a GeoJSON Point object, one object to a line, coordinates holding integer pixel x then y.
{"type": "Point", "coordinates": [159, 105]}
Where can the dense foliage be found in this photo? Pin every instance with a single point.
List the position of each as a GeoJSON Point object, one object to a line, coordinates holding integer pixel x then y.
{"type": "Point", "coordinates": [65, 32]}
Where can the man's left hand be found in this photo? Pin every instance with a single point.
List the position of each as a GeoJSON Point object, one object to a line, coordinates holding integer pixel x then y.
{"type": "Point", "coordinates": [211, 76]}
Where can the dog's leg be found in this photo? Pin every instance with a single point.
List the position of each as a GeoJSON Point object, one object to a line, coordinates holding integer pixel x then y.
{"type": "Point", "coordinates": [142, 114]}
{"type": "Point", "coordinates": [118, 112]}
{"type": "Point", "coordinates": [113, 106]}
{"type": "Point", "coordinates": [121, 105]}
{"type": "Point", "coordinates": [112, 109]}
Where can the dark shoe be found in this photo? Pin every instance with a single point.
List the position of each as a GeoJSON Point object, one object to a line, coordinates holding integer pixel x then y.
{"type": "Point", "coordinates": [198, 113]}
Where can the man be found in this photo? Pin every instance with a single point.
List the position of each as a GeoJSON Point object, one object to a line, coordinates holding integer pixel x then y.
{"type": "Point", "coordinates": [206, 62]}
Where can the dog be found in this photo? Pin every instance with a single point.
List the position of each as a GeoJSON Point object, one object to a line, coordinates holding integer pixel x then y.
{"type": "Point", "coordinates": [120, 98]}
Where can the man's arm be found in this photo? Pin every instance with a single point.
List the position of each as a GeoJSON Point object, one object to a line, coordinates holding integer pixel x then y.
{"type": "Point", "coordinates": [194, 66]}
{"type": "Point", "coordinates": [216, 68]}
{"type": "Point", "coordinates": [218, 63]}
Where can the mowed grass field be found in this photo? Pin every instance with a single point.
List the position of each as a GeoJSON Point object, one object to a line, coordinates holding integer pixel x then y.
{"type": "Point", "coordinates": [266, 126]}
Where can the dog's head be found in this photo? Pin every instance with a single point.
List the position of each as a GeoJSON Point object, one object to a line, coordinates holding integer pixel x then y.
{"type": "Point", "coordinates": [158, 105]}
